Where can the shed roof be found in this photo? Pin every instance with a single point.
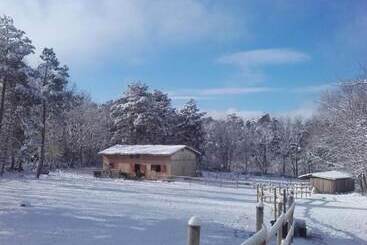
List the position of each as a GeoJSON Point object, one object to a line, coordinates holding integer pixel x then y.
{"type": "Point", "coordinates": [331, 175]}
{"type": "Point", "coordinates": [158, 150]}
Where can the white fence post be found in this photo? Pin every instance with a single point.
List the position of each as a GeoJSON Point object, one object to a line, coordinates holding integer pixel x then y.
{"type": "Point", "coordinates": [193, 231]}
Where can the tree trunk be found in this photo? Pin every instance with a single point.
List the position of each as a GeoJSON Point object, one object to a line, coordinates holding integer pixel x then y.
{"type": "Point", "coordinates": [296, 174]}
{"type": "Point", "coordinates": [43, 135]}
{"type": "Point", "coordinates": [20, 167]}
{"type": "Point", "coordinates": [2, 105]}
{"type": "Point", "coordinates": [246, 162]}
{"type": "Point", "coordinates": [81, 156]}
{"type": "Point", "coordinates": [4, 153]}
{"type": "Point", "coordinates": [283, 166]}
{"type": "Point", "coordinates": [12, 165]}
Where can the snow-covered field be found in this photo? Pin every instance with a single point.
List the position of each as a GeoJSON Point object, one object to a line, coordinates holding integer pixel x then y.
{"type": "Point", "coordinates": [70, 208]}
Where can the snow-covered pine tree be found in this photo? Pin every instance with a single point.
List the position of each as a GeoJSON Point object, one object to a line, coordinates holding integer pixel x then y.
{"type": "Point", "coordinates": [29, 98]}
{"type": "Point", "coordinates": [190, 129]}
{"type": "Point", "coordinates": [167, 118]}
{"type": "Point", "coordinates": [14, 46]}
{"type": "Point", "coordinates": [131, 114]}
{"type": "Point", "coordinates": [53, 80]}
{"type": "Point", "coordinates": [142, 117]}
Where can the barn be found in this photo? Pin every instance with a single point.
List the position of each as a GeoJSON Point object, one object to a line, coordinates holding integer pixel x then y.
{"type": "Point", "coordinates": [150, 161]}
{"type": "Point", "coordinates": [331, 182]}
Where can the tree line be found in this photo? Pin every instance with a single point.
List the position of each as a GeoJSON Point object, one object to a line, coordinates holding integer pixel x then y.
{"type": "Point", "coordinates": [47, 123]}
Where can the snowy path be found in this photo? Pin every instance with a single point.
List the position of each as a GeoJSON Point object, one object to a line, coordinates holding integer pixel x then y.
{"type": "Point", "coordinates": [335, 219]}
{"type": "Point", "coordinates": [78, 209]}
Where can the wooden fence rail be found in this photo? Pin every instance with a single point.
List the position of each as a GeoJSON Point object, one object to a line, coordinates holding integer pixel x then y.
{"type": "Point", "coordinates": [269, 193]}
{"type": "Point", "coordinates": [282, 230]}
{"type": "Point", "coordinates": [284, 220]}
{"type": "Point", "coordinates": [299, 187]}
{"type": "Point", "coordinates": [263, 234]}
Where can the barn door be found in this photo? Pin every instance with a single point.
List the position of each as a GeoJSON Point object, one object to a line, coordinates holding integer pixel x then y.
{"type": "Point", "coordinates": [143, 169]}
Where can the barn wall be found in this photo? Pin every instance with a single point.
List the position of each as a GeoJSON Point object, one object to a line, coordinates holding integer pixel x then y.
{"type": "Point", "coordinates": [323, 185]}
{"type": "Point", "coordinates": [126, 164]}
{"type": "Point", "coordinates": [183, 163]}
{"type": "Point", "coordinates": [344, 185]}
{"type": "Point", "coordinates": [332, 186]}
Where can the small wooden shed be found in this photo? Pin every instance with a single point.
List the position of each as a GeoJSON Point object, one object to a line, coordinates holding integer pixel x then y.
{"type": "Point", "coordinates": [331, 182]}
{"type": "Point", "coordinates": [151, 161]}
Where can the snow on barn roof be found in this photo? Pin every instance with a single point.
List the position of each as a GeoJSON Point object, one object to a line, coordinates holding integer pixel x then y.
{"type": "Point", "coordinates": [145, 150]}
{"type": "Point", "coordinates": [331, 175]}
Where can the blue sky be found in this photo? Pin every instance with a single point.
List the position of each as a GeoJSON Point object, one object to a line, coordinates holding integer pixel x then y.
{"type": "Point", "coordinates": [238, 56]}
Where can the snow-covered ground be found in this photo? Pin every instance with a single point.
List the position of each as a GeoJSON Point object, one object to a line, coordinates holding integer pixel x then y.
{"type": "Point", "coordinates": [70, 208]}
{"type": "Point", "coordinates": [335, 219]}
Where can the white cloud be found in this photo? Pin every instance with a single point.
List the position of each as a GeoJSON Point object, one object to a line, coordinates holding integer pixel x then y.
{"type": "Point", "coordinates": [251, 63]}
{"type": "Point", "coordinates": [222, 114]}
{"type": "Point", "coordinates": [211, 93]}
{"type": "Point", "coordinates": [234, 91]}
{"type": "Point", "coordinates": [314, 88]}
{"type": "Point", "coordinates": [304, 111]}
{"type": "Point", "coordinates": [87, 31]}
{"type": "Point", "coordinates": [260, 57]}
{"type": "Point", "coordinates": [188, 97]}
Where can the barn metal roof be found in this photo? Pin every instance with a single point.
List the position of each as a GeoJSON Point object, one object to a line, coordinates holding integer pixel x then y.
{"type": "Point", "coordinates": [331, 175]}
{"type": "Point", "coordinates": [158, 150]}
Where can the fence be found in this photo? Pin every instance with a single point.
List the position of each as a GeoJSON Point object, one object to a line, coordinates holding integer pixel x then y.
{"type": "Point", "coordinates": [282, 230]}
{"type": "Point", "coordinates": [283, 226]}
{"type": "Point", "coordinates": [237, 182]}
{"type": "Point", "coordinates": [269, 193]}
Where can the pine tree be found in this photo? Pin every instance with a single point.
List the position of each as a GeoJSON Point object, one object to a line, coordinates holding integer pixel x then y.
{"type": "Point", "coordinates": [14, 46]}
{"type": "Point", "coordinates": [190, 126]}
{"type": "Point", "coordinates": [166, 119]}
{"type": "Point", "coordinates": [28, 116]}
{"type": "Point", "coordinates": [53, 80]}
{"type": "Point", "coordinates": [142, 117]}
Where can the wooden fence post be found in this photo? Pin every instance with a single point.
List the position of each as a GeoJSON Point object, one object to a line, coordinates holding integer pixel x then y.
{"type": "Point", "coordinates": [296, 192]}
{"type": "Point", "coordinates": [257, 193]}
{"type": "Point", "coordinates": [290, 202]}
{"type": "Point", "coordinates": [284, 201]}
{"type": "Point", "coordinates": [237, 180]}
{"type": "Point", "coordinates": [361, 183]}
{"type": "Point", "coordinates": [275, 204]}
{"type": "Point", "coordinates": [193, 234]}
{"type": "Point", "coordinates": [262, 193]}
{"type": "Point", "coordinates": [364, 181]}
{"type": "Point", "coordinates": [259, 216]}
{"type": "Point", "coordinates": [280, 231]}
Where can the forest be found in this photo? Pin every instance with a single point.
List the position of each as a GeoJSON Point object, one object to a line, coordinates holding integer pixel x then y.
{"type": "Point", "coordinates": [47, 123]}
